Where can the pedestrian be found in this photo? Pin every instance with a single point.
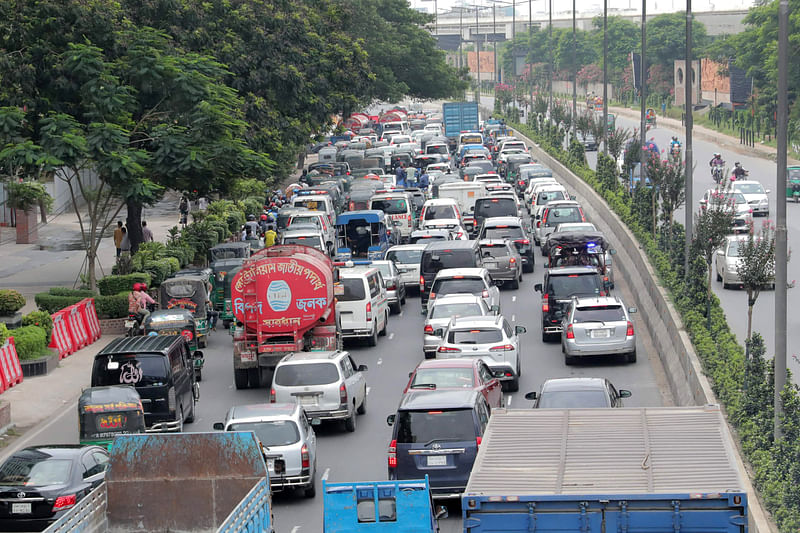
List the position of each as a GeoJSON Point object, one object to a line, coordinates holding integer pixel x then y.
{"type": "Point", "coordinates": [119, 231]}
{"type": "Point", "coordinates": [269, 237]}
{"type": "Point", "coordinates": [125, 243]}
{"type": "Point", "coordinates": [147, 235]}
{"type": "Point", "coordinates": [202, 203]}
{"type": "Point", "coordinates": [184, 209]}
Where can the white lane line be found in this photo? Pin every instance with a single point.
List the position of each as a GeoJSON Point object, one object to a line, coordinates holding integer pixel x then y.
{"type": "Point", "coordinates": [295, 529]}
{"type": "Point", "coordinates": [368, 389]}
{"type": "Point", "coordinates": [513, 298]}
{"type": "Point", "coordinates": [508, 401]}
{"type": "Point", "coordinates": [326, 474]}
{"type": "Point", "coordinates": [513, 318]}
{"type": "Point", "coordinates": [400, 313]}
{"type": "Point", "coordinates": [391, 336]}
{"type": "Point", "coordinates": [29, 437]}
{"type": "Point", "coordinates": [380, 361]}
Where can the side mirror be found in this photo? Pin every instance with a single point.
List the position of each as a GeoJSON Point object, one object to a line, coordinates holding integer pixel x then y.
{"type": "Point", "coordinates": [623, 393]}
{"type": "Point", "coordinates": [362, 368]}
{"type": "Point", "coordinates": [632, 310]}
{"type": "Point", "coordinates": [441, 512]}
{"type": "Point", "coordinates": [538, 287]}
{"type": "Point", "coordinates": [219, 426]}
{"type": "Point", "coordinates": [768, 191]}
{"type": "Point", "coordinates": [613, 251]}
{"type": "Point", "coordinates": [520, 329]}
{"type": "Point", "coordinates": [531, 396]}
{"type": "Point", "coordinates": [495, 309]}
{"type": "Point", "coordinates": [391, 418]}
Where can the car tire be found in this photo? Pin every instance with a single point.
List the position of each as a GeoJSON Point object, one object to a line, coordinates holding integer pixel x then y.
{"type": "Point", "coordinates": [570, 359]}
{"type": "Point", "coordinates": [513, 385]}
{"type": "Point", "coordinates": [536, 242]}
{"type": "Point", "coordinates": [385, 324]}
{"type": "Point", "coordinates": [630, 357]}
{"type": "Point", "coordinates": [362, 409]}
{"type": "Point", "coordinates": [190, 418]}
{"type": "Point", "coordinates": [198, 375]}
{"type": "Point", "coordinates": [396, 308]}
{"type": "Point", "coordinates": [311, 490]}
{"type": "Point", "coordinates": [181, 420]}
{"type": "Point", "coordinates": [226, 324]}
{"type": "Point", "coordinates": [513, 284]}
{"type": "Point", "coordinates": [402, 300]}
{"type": "Point", "coordinates": [350, 423]}
{"type": "Point", "coordinates": [544, 252]}
{"type": "Point", "coordinates": [202, 342]}
{"type": "Point", "coordinates": [545, 337]}
{"type": "Point", "coordinates": [372, 340]}
{"type": "Point", "coordinates": [719, 278]}
{"type": "Point", "coordinates": [240, 378]}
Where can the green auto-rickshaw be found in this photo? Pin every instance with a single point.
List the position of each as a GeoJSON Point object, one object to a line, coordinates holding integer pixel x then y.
{"type": "Point", "coordinates": [793, 183]}
{"type": "Point", "coordinates": [190, 293]}
{"type": "Point", "coordinates": [178, 322]}
{"type": "Point", "coordinates": [105, 412]}
{"type": "Point", "coordinates": [221, 294]}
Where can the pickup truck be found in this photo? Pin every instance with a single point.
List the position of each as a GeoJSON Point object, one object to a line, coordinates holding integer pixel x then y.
{"type": "Point", "coordinates": [606, 470]}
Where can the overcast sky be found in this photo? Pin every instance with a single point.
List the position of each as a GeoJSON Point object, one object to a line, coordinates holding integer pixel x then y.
{"type": "Point", "coordinates": [594, 6]}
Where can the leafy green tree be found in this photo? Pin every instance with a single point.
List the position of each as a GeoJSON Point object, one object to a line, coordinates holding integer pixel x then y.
{"type": "Point", "coordinates": [616, 142]}
{"type": "Point", "coordinates": [756, 266]}
{"type": "Point", "coordinates": [572, 53]}
{"type": "Point", "coordinates": [624, 37]}
{"type": "Point", "coordinates": [666, 39]}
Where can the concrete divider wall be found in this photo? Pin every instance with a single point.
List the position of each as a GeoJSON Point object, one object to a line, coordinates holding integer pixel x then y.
{"type": "Point", "coordinates": [688, 384]}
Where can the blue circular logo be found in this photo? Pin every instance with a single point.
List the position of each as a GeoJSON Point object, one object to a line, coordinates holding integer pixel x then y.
{"type": "Point", "coordinates": [279, 295]}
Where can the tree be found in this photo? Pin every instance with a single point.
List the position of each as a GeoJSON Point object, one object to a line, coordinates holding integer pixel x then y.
{"type": "Point", "coordinates": [756, 266]}
{"type": "Point", "coordinates": [623, 38]}
{"type": "Point", "coordinates": [666, 39]}
{"type": "Point", "coordinates": [566, 47]}
{"type": "Point", "coordinates": [616, 142]}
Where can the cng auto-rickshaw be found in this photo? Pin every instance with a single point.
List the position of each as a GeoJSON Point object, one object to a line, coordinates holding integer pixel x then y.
{"type": "Point", "coordinates": [104, 412]}
{"type": "Point", "coordinates": [362, 234]}
{"type": "Point", "coordinates": [793, 183]}
{"type": "Point", "coordinates": [178, 322]}
{"type": "Point", "coordinates": [190, 293]}
{"type": "Point", "coordinates": [221, 292]}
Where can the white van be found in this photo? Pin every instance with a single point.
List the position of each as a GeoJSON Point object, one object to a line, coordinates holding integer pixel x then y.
{"type": "Point", "coordinates": [316, 202]}
{"type": "Point", "coordinates": [361, 303]}
{"type": "Point", "coordinates": [465, 194]}
{"type": "Point", "coordinates": [397, 206]}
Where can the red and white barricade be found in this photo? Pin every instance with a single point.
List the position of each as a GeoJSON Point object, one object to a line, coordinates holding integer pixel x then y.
{"type": "Point", "coordinates": [10, 369]}
{"type": "Point", "coordinates": [77, 329]}
{"type": "Point", "coordinates": [90, 320]}
{"type": "Point", "coordinates": [61, 340]}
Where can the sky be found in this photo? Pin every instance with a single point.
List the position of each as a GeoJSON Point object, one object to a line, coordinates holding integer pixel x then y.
{"type": "Point", "coordinates": [594, 6]}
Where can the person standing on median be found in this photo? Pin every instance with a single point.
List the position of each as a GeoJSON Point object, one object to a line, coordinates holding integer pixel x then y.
{"type": "Point", "coordinates": [125, 244]}
{"type": "Point", "coordinates": [119, 232]}
{"type": "Point", "coordinates": [147, 235]}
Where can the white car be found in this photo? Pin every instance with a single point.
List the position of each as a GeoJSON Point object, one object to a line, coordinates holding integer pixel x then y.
{"type": "Point", "coordinates": [440, 208]}
{"type": "Point", "coordinates": [407, 258]}
{"type": "Point", "coordinates": [442, 310]}
{"type": "Point", "coordinates": [743, 212]}
{"type": "Point", "coordinates": [457, 231]}
{"type": "Point", "coordinates": [728, 259]}
{"type": "Point", "coordinates": [475, 281]}
{"type": "Point", "coordinates": [755, 195]}
{"type": "Point", "coordinates": [532, 183]}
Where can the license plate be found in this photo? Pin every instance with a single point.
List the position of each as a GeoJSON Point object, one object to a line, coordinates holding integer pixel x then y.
{"type": "Point", "coordinates": [130, 323]}
{"type": "Point", "coordinates": [489, 264]}
{"type": "Point", "coordinates": [248, 357]}
{"type": "Point", "coordinates": [437, 460]}
{"type": "Point", "coordinates": [308, 400]}
{"type": "Point", "coordinates": [600, 333]}
{"type": "Point", "coordinates": [20, 508]}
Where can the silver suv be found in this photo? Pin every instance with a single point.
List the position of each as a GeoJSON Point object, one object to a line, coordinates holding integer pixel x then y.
{"type": "Point", "coordinates": [598, 325]}
{"type": "Point", "coordinates": [329, 385]}
{"type": "Point", "coordinates": [287, 439]}
{"type": "Point", "coordinates": [442, 310]}
{"type": "Point", "coordinates": [475, 281]}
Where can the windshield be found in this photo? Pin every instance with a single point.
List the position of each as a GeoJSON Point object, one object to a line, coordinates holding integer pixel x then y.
{"type": "Point", "coordinates": [228, 253]}
{"type": "Point", "coordinates": [426, 238]}
{"type": "Point", "coordinates": [474, 336]}
{"type": "Point", "coordinates": [495, 207]}
{"type": "Point", "coordinates": [305, 220]}
{"type": "Point", "coordinates": [396, 206]}
{"type": "Point", "coordinates": [304, 241]}
{"type": "Point", "coordinates": [733, 248]}
{"type": "Point", "coordinates": [431, 426]}
{"type": "Point", "coordinates": [139, 370]}
{"type": "Point", "coordinates": [35, 469]}
{"type": "Point", "coordinates": [574, 285]}
{"type": "Point", "coordinates": [599, 313]}
{"type": "Point", "coordinates": [405, 257]}
{"type": "Point", "coordinates": [559, 215]}
{"type": "Point", "coordinates": [311, 203]}
{"type": "Point", "coordinates": [504, 232]}
{"type": "Point", "coordinates": [577, 399]}
{"type": "Point", "coordinates": [750, 188]}
{"type": "Point", "coordinates": [436, 149]}
{"type": "Point", "coordinates": [306, 374]}
{"type": "Point", "coordinates": [435, 261]}
{"type": "Point", "coordinates": [494, 251]}
{"type": "Point", "coordinates": [458, 286]}
{"type": "Point", "coordinates": [736, 197]}
{"type": "Point", "coordinates": [456, 310]}
{"type": "Point", "coordinates": [439, 211]}
{"type": "Point", "coordinates": [472, 139]}
{"type": "Point", "coordinates": [572, 226]}
{"type": "Point", "coordinates": [353, 290]}
{"type": "Point", "coordinates": [271, 433]}
{"type": "Point", "coordinates": [445, 378]}
{"type": "Point", "coordinates": [384, 269]}
{"type": "Point", "coordinates": [548, 196]}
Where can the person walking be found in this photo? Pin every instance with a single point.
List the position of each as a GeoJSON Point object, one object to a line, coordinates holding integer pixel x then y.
{"type": "Point", "coordinates": [125, 243]}
{"type": "Point", "coordinates": [269, 237]}
{"type": "Point", "coordinates": [119, 231]}
{"type": "Point", "coordinates": [147, 235]}
{"type": "Point", "coordinates": [184, 209]}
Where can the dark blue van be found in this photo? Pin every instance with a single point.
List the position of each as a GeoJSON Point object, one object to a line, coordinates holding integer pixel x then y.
{"type": "Point", "coordinates": [437, 433]}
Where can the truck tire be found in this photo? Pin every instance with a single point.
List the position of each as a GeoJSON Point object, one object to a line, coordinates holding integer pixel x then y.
{"type": "Point", "coordinates": [265, 377]}
{"type": "Point", "coordinates": [240, 378]}
{"type": "Point", "coordinates": [253, 377]}
{"type": "Point", "coordinates": [372, 340]}
{"type": "Point", "coordinates": [350, 423]}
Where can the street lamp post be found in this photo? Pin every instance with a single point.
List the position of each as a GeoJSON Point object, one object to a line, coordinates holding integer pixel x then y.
{"type": "Point", "coordinates": [550, 52]}
{"type": "Point", "coordinates": [605, 76]}
{"type": "Point", "coordinates": [688, 160]}
{"type": "Point", "coordinates": [574, 73]}
{"type": "Point", "coordinates": [643, 92]}
{"type": "Point", "coordinates": [478, 55]}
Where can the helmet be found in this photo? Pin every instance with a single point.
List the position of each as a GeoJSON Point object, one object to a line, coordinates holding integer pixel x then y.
{"type": "Point", "coordinates": [137, 286]}
{"type": "Point", "coordinates": [143, 286]}
{"type": "Point", "coordinates": [251, 217]}
{"type": "Point", "coordinates": [737, 164]}
{"type": "Point", "coordinates": [717, 154]}
{"type": "Point", "coordinates": [264, 216]}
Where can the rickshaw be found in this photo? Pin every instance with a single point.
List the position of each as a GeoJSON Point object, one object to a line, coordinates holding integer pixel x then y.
{"type": "Point", "coordinates": [650, 119]}
{"type": "Point", "coordinates": [177, 322]}
{"type": "Point", "coordinates": [190, 293]}
{"type": "Point", "coordinates": [221, 286]}
{"type": "Point", "coordinates": [104, 412]}
{"type": "Point", "coordinates": [362, 234]}
{"type": "Point", "coordinates": [793, 183]}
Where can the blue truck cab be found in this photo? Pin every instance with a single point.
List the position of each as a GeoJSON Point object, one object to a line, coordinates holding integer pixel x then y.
{"type": "Point", "coordinates": [390, 506]}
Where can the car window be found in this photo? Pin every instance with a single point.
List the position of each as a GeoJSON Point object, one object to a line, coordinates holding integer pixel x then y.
{"type": "Point", "coordinates": [456, 310]}
{"type": "Point", "coordinates": [749, 188]}
{"type": "Point", "coordinates": [345, 371]}
{"type": "Point", "coordinates": [89, 465]}
{"type": "Point", "coordinates": [405, 257]}
{"type": "Point", "coordinates": [495, 207]}
{"type": "Point", "coordinates": [485, 373]}
{"type": "Point", "coordinates": [353, 290]}
{"type": "Point", "coordinates": [439, 211]}
{"type": "Point", "coordinates": [483, 414]}
{"type": "Point", "coordinates": [435, 425]}
{"type": "Point", "coordinates": [444, 377]}
{"type": "Point", "coordinates": [458, 286]}
{"type": "Point", "coordinates": [391, 206]}
{"type": "Point", "coordinates": [372, 281]}
{"type": "Point", "coordinates": [733, 248]}
{"type": "Point", "coordinates": [139, 370]}
{"type": "Point", "coordinates": [495, 250]}
{"type": "Point", "coordinates": [295, 375]}
{"type": "Point", "coordinates": [599, 313]}
{"type": "Point", "coordinates": [504, 232]}
{"type": "Point", "coordinates": [441, 259]}
{"type": "Point", "coordinates": [474, 336]}
{"type": "Point", "coordinates": [548, 196]}
{"type": "Point", "coordinates": [576, 399]}
{"type": "Point", "coordinates": [559, 215]}
{"type": "Point", "coordinates": [35, 469]}
{"type": "Point", "coordinates": [509, 331]}
{"type": "Point", "coordinates": [573, 284]}
{"type": "Point", "coordinates": [272, 432]}
{"type": "Point", "coordinates": [303, 240]}
{"type": "Point", "coordinates": [177, 361]}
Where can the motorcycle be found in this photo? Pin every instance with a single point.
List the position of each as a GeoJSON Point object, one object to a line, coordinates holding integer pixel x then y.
{"type": "Point", "coordinates": [716, 173]}
{"type": "Point", "coordinates": [134, 323]}
{"type": "Point", "coordinates": [796, 192]}
{"type": "Point", "coordinates": [675, 152]}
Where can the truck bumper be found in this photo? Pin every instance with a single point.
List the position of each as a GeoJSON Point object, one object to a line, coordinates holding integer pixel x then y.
{"type": "Point", "coordinates": [339, 414]}
{"type": "Point", "coordinates": [289, 482]}
{"type": "Point", "coordinates": [356, 333]}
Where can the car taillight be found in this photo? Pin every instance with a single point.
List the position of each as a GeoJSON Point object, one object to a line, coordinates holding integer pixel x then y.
{"type": "Point", "coordinates": [369, 311]}
{"type": "Point", "coordinates": [393, 454]}
{"type": "Point", "coordinates": [538, 223]}
{"type": "Point", "coordinates": [602, 293]}
{"type": "Point", "coordinates": [304, 456]}
{"type": "Point", "coordinates": [432, 295]}
{"type": "Point", "coordinates": [485, 293]}
{"type": "Point", "coordinates": [523, 241]}
{"type": "Point", "coordinates": [421, 282]}
{"type": "Point", "coordinates": [428, 330]}
{"type": "Point", "coordinates": [448, 349]}
{"type": "Point", "coordinates": [513, 260]}
{"type": "Point", "coordinates": [271, 395]}
{"type": "Point", "coordinates": [65, 502]}
{"type": "Point", "coordinates": [570, 333]}
{"type": "Point", "coordinates": [391, 287]}
{"type": "Point", "coordinates": [629, 331]}
{"type": "Point", "coordinates": [342, 394]}
{"type": "Point", "coordinates": [478, 440]}
{"type": "Point", "coordinates": [503, 348]}
{"type": "Point", "coordinates": [545, 306]}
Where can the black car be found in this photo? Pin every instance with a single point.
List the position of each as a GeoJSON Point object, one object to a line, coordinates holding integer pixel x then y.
{"type": "Point", "coordinates": [560, 285]}
{"type": "Point", "coordinates": [41, 483]}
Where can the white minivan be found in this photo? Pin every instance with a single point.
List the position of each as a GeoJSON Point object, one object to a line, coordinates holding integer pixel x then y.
{"type": "Point", "coordinates": [397, 205]}
{"type": "Point", "coordinates": [316, 202]}
{"type": "Point", "coordinates": [361, 303]}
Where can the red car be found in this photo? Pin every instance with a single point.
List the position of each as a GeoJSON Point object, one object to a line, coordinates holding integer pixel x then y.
{"type": "Point", "coordinates": [444, 374]}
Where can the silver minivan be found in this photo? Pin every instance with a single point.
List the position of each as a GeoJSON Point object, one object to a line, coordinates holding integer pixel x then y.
{"type": "Point", "coordinates": [328, 385]}
{"type": "Point", "coordinates": [362, 304]}
{"type": "Point", "coordinates": [407, 258]}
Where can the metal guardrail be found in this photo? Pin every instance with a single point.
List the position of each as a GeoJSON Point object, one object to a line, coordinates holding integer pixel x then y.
{"type": "Point", "coordinates": [88, 516]}
{"type": "Point", "coordinates": [253, 514]}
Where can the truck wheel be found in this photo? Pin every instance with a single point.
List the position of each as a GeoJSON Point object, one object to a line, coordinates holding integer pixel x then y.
{"type": "Point", "coordinates": [372, 340]}
{"type": "Point", "coordinates": [253, 376]}
{"type": "Point", "coordinates": [265, 377]}
{"type": "Point", "coordinates": [350, 423]}
{"type": "Point", "coordinates": [362, 409]}
{"type": "Point", "coordinates": [240, 378]}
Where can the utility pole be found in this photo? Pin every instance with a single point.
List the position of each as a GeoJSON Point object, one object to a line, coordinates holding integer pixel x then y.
{"type": "Point", "coordinates": [478, 55]}
{"type": "Point", "coordinates": [494, 43]}
{"type": "Point", "coordinates": [514, 39]}
{"type": "Point", "coordinates": [643, 94]}
{"type": "Point", "coordinates": [605, 76]}
{"type": "Point", "coordinates": [436, 17]}
{"type": "Point", "coordinates": [688, 159]}
{"type": "Point", "coordinates": [461, 37]}
{"type": "Point", "coordinates": [550, 53]}
{"type": "Point", "coordinates": [530, 70]}
{"type": "Point", "coordinates": [781, 258]}
{"type": "Point", "coordinates": [574, 74]}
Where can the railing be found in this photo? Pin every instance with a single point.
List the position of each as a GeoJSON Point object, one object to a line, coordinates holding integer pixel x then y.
{"type": "Point", "coordinates": [253, 514]}
{"type": "Point", "coordinates": [88, 516]}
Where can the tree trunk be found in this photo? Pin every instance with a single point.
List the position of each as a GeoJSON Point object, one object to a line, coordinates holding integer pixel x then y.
{"type": "Point", "coordinates": [43, 211]}
{"type": "Point", "coordinates": [134, 224]}
{"type": "Point", "coordinates": [655, 214]}
{"type": "Point", "coordinates": [91, 269]}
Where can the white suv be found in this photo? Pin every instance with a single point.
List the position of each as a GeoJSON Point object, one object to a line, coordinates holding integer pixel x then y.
{"type": "Point", "coordinates": [328, 385]}
{"type": "Point", "coordinates": [362, 304]}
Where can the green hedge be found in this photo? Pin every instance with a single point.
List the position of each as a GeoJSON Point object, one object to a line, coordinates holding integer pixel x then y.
{"type": "Point", "coordinates": [11, 301]}
{"type": "Point", "coordinates": [31, 342]}
{"type": "Point", "coordinates": [111, 285]}
{"type": "Point", "coordinates": [161, 269]}
{"type": "Point", "coordinates": [744, 386]}
{"type": "Point", "coordinates": [114, 306]}
{"type": "Point", "coordinates": [41, 319]}
{"type": "Point", "coordinates": [53, 303]}
{"type": "Point", "coordinates": [63, 291]}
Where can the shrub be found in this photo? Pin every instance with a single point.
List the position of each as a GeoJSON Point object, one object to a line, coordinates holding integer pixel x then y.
{"type": "Point", "coordinates": [31, 342]}
{"type": "Point", "coordinates": [40, 319]}
{"type": "Point", "coordinates": [111, 285]}
{"type": "Point", "coordinates": [159, 270]}
{"type": "Point", "coordinates": [11, 301]}
{"type": "Point", "coordinates": [4, 334]}
{"type": "Point", "coordinates": [64, 291]}
{"type": "Point", "coordinates": [181, 251]}
{"type": "Point", "coordinates": [114, 306]}
{"type": "Point", "coordinates": [52, 303]}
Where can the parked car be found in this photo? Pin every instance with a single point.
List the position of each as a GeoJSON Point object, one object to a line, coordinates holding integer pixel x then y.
{"type": "Point", "coordinates": [406, 258]}
{"type": "Point", "coordinates": [328, 385]}
{"type": "Point", "coordinates": [460, 373]}
{"type": "Point", "coordinates": [577, 393]}
{"type": "Point", "coordinates": [475, 281]}
{"type": "Point", "coordinates": [441, 310]}
{"type": "Point", "coordinates": [289, 442]}
{"type": "Point", "coordinates": [513, 229]}
{"type": "Point", "coordinates": [492, 338]}
{"type": "Point", "coordinates": [395, 287]}
{"type": "Point", "coordinates": [598, 326]}
{"type": "Point", "coordinates": [502, 260]}
{"type": "Point", "coordinates": [39, 484]}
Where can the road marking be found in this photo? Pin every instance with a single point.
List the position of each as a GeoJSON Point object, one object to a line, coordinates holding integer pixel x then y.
{"type": "Point", "coordinates": [325, 474]}
{"type": "Point", "coordinates": [295, 529]}
{"type": "Point", "coordinates": [28, 437]}
{"type": "Point", "coordinates": [508, 401]}
{"type": "Point", "coordinates": [400, 313]}
{"type": "Point", "coordinates": [391, 336]}
{"type": "Point", "coordinates": [368, 389]}
{"type": "Point", "coordinates": [513, 318]}
{"type": "Point", "coordinates": [380, 361]}
{"type": "Point", "coordinates": [513, 298]}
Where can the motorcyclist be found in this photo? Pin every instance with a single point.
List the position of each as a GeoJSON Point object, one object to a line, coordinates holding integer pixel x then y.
{"type": "Point", "coordinates": [716, 161]}
{"type": "Point", "coordinates": [138, 300]}
{"type": "Point", "coordinates": [739, 172]}
{"type": "Point", "coordinates": [674, 144]}
{"type": "Point", "coordinates": [264, 222]}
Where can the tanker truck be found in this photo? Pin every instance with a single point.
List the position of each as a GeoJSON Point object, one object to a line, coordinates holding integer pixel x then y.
{"type": "Point", "coordinates": [283, 302]}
